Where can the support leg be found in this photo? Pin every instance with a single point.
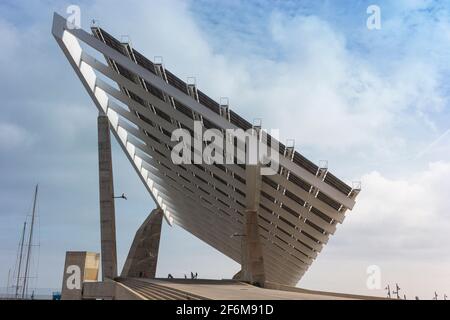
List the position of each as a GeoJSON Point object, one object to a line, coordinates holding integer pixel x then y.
{"type": "Point", "coordinates": [107, 210]}
{"type": "Point", "coordinates": [143, 256]}
{"type": "Point", "coordinates": [252, 250]}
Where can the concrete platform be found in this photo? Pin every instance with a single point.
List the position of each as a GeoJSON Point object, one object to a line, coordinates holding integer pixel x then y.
{"type": "Point", "coordinates": [177, 289]}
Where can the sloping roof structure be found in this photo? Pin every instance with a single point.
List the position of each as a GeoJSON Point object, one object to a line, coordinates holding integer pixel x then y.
{"type": "Point", "coordinates": [299, 207]}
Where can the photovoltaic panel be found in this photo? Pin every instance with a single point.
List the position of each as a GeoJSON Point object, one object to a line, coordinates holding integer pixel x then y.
{"type": "Point", "coordinates": [299, 208]}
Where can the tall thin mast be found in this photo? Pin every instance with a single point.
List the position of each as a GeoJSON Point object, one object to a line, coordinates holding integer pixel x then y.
{"type": "Point", "coordinates": [8, 283]}
{"type": "Point", "coordinates": [20, 259]}
{"type": "Point", "coordinates": [30, 240]}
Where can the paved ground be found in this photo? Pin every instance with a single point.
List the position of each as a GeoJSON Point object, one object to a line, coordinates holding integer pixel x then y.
{"type": "Point", "coordinates": [233, 290]}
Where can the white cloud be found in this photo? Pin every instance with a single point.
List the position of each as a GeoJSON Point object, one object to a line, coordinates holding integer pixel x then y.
{"type": "Point", "coordinates": [324, 94]}
{"type": "Point", "coordinates": [13, 136]}
{"type": "Point", "coordinates": [317, 90]}
{"type": "Point", "coordinates": [334, 98]}
{"type": "Point", "coordinates": [403, 217]}
{"type": "Point", "coordinates": [10, 41]}
{"type": "Point", "coordinates": [400, 225]}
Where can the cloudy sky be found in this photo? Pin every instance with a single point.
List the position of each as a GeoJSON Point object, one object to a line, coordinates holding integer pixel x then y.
{"type": "Point", "coordinates": [374, 103]}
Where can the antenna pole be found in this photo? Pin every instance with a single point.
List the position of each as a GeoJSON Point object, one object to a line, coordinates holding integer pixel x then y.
{"type": "Point", "coordinates": [30, 240]}
{"type": "Point", "coordinates": [7, 284]}
{"type": "Point", "coordinates": [20, 259]}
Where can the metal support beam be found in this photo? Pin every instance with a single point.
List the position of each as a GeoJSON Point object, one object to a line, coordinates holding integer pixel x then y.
{"type": "Point", "coordinates": [107, 210]}
{"type": "Point", "coordinates": [143, 256]}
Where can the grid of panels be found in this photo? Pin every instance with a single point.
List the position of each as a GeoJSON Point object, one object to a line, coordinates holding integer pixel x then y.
{"type": "Point", "coordinates": [298, 212]}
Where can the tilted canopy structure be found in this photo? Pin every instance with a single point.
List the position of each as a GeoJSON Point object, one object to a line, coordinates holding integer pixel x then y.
{"type": "Point", "coordinates": [298, 208]}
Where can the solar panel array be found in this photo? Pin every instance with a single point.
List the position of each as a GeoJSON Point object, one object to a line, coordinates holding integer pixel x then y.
{"type": "Point", "coordinates": [299, 207]}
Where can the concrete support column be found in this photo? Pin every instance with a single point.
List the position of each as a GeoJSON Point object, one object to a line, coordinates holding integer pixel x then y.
{"type": "Point", "coordinates": [107, 210]}
{"type": "Point", "coordinates": [253, 266]}
{"type": "Point", "coordinates": [252, 250]}
{"type": "Point", "coordinates": [142, 259]}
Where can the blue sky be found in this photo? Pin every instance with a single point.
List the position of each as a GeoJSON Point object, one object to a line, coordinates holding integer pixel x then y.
{"type": "Point", "coordinates": [375, 104]}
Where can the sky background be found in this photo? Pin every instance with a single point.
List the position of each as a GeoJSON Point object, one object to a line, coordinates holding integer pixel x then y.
{"type": "Point", "coordinates": [374, 103]}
